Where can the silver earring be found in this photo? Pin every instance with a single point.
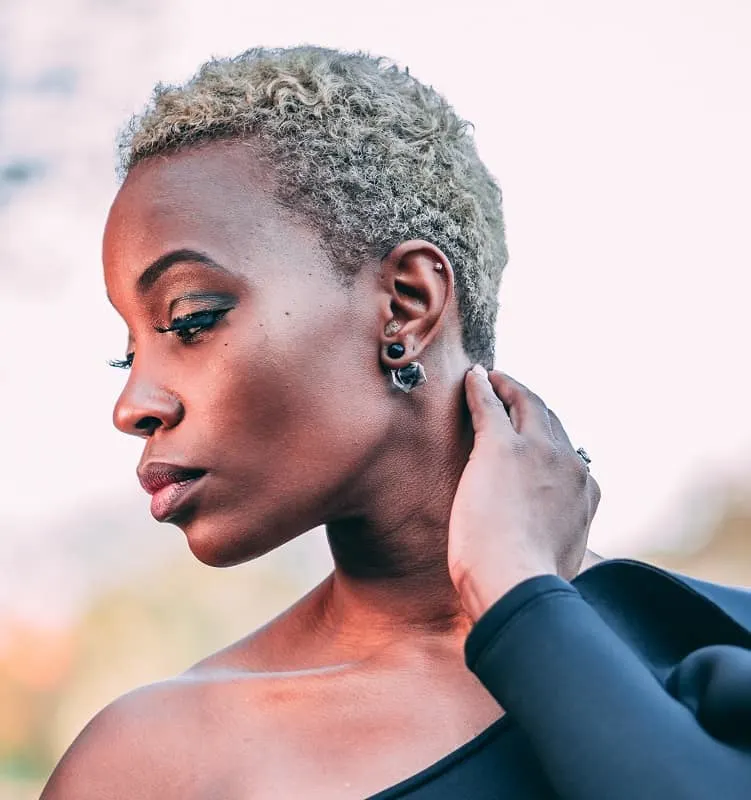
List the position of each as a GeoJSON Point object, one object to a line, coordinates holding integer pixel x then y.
{"type": "Point", "coordinates": [408, 377]}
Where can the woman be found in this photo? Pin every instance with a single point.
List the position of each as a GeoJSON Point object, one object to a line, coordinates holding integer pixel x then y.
{"type": "Point", "coordinates": [307, 251]}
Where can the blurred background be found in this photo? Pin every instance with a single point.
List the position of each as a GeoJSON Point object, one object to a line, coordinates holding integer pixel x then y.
{"type": "Point", "coordinates": [619, 133]}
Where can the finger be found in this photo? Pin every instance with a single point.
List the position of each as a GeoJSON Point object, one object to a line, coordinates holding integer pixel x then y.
{"type": "Point", "coordinates": [528, 414]}
{"type": "Point", "coordinates": [560, 434]}
{"type": "Point", "coordinates": [486, 408]}
{"type": "Point", "coordinates": [594, 494]}
{"type": "Point", "coordinates": [558, 430]}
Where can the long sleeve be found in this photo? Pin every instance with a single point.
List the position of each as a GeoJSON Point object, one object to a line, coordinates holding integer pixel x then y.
{"type": "Point", "coordinates": [601, 724]}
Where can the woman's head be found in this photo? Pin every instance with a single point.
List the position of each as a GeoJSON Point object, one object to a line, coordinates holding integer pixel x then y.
{"type": "Point", "coordinates": [367, 153]}
{"type": "Point", "coordinates": [285, 216]}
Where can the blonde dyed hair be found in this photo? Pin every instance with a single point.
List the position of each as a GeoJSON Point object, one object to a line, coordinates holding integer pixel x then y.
{"type": "Point", "coordinates": [367, 153]}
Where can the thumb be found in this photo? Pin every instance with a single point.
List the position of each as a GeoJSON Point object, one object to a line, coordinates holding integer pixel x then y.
{"type": "Point", "coordinates": [486, 408]}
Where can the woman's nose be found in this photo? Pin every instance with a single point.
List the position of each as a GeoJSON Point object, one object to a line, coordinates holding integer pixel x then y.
{"type": "Point", "coordinates": [143, 408]}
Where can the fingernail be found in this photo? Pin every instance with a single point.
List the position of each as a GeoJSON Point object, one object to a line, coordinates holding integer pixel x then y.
{"type": "Point", "coordinates": [478, 369]}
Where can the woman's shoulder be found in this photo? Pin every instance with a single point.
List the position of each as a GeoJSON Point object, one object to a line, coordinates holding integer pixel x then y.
{"type": "Point", "coordinates": [154, 741]}
{"type": "Point", "coordinates": [115, 754]}
{"type": "Point", "coordinates": [164, 739]}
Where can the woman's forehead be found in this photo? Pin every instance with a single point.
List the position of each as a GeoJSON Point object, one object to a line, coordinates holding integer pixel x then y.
{"type": "Point", "coordinates": [217, 199]}
{"type": "Point", "coordinates": [222, 181]}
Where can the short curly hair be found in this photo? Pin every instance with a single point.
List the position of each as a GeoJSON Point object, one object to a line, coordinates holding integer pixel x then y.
{"type": "Point", "coordinates": [362, 149]}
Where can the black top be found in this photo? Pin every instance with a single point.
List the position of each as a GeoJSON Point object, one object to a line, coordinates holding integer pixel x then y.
{"type": "Point", "coordinates": [632, 683]}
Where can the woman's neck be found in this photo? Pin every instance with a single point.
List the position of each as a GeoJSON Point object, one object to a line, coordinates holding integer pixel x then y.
{"type": "Point", "coordinates": [391, 573]}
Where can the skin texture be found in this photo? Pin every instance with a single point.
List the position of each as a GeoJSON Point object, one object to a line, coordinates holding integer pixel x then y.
{"type": "Point", "coordinates": [285, 404]}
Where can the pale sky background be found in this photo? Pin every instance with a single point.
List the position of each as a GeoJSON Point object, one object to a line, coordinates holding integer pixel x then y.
{"type": "Point", "coordinates": [620, 134]}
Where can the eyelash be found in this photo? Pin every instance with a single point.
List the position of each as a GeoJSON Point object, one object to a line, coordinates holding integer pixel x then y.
{"type": "Point", "coordinates": [191, 325]}
{"type": "Point", "coordinates": [122, 363]}
{"type": "Point", "coordinates": [186, 329]}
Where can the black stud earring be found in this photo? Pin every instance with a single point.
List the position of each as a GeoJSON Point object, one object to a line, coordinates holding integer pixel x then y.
{"type": "Point", "coordinates": [395, 350]}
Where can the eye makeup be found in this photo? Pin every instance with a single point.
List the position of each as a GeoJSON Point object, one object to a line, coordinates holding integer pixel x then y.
{"type": "Point", "coordinates": [189, 327]}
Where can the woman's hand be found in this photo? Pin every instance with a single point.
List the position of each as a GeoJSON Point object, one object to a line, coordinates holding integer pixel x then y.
{"type": "Point", "coordinates": [525, 500]}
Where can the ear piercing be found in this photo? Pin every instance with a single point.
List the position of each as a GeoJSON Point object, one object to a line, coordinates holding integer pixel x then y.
{"type": "Point", "coordinates": [408, 377]}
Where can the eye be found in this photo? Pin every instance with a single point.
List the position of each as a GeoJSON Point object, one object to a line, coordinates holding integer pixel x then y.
{"type": "Point", "coordinates": [188, 327]}
{"type": "Point", "coordinates": [122, 363]}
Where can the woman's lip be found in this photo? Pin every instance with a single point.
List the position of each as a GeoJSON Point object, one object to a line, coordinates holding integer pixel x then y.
{"type": "Point", "coordinates": [166, 502]}
{"type": "Point", "coordinates": [156, 475]}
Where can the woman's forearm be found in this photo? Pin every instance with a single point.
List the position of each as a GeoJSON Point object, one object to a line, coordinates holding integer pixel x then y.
{"type": "Point", "coordinates": [601, 724]}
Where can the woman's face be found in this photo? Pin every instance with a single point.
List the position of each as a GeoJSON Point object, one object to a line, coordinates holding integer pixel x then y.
{"type": "Point", "coordinates": [255, 380]}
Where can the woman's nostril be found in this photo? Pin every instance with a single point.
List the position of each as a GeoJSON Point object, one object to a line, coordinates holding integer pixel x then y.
{"type": "Point", "coordinates": [147, 424]}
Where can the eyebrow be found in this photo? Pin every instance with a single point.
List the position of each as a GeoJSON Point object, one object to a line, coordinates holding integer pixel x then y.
{"type": "Point", "coordinates": [157, 268]}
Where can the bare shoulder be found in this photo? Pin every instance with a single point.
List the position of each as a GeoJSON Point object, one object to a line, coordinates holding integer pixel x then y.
{"type": "Point", "coordinates": [177, 738]}
{"type": "Point", "coordinates": [137, 746]}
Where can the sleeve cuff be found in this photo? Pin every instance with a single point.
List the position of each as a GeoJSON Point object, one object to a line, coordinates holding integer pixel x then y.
{"type": "Point", "coordinates": [493, 621]}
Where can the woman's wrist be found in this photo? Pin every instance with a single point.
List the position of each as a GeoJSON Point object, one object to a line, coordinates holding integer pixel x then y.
{"type": "Point", "coordinates": [479, 595]}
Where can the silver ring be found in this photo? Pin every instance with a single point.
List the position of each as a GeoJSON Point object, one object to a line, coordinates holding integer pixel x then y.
{"type": "Point", "coordinates": [584, 455]}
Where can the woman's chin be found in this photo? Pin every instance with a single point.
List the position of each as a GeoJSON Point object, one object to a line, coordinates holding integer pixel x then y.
{"type": "Point", "coordinates": [222, 545]}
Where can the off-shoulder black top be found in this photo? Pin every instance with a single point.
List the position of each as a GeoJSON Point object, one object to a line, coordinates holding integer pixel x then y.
{"type": "Point", "coordinates": [630, 683]}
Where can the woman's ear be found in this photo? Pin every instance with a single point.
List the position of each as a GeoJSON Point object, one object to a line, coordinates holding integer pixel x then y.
{"type": "Point", "coordinates": [417, 281]}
